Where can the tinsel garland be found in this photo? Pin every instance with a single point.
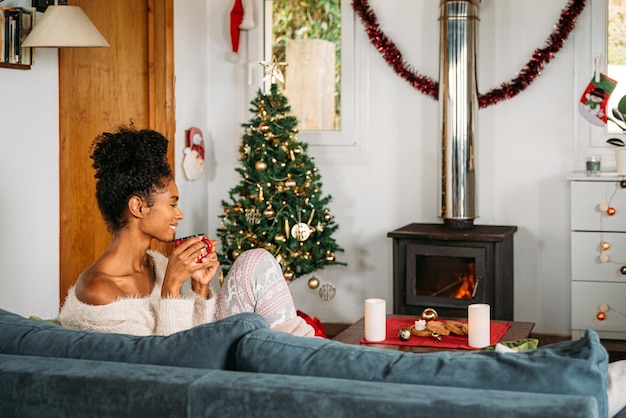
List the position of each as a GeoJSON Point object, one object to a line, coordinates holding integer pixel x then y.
{"type": "Point", "coordinates": [508, 90]}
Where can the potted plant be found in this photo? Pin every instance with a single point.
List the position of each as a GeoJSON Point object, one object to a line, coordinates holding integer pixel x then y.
{"type": "Point", "coordinates": [619, 119]}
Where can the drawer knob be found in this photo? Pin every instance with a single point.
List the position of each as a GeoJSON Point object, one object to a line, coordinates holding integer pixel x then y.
{"type": "Point", "coordinates": [603, 207]}
{"type": "Point", "coordinates": [622, 184]}
{"type": "Point", "coordinates": [622, 270]}
{"type": "Point", "coordinates": [602, 310]}
{"type": "Point", "coordinates": [610, 211]}
{"type": "Point", "coordinates": [605, 245]}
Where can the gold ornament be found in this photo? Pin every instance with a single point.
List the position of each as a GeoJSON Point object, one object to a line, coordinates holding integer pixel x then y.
{"type": "Point", "coordinates": [429, 314]}
{"type": "Point", "coordinates": [253, 216]}
{"type": "Point", "coordinates": [605, 245]}
{"type": "Point", "coordinates": [260, 165]}
{"type": "Point", "coordinates": [221, 278]}
{"type": "Point", "coordinates": [327, 292]}
{"type": "Point", "coordinates": [290, 183]}
{"type": "Point", "coordinates": [314, 282]}
{"type": "Point", "coordinates": [404, 334]}
{"type": "Point", "coordinates": [269, 212]}
{"type": "Point", "coordinates": [288, 275]}
{"type": "Point", "coordinates": [327, 215]}
{"type": "Point", "coordinates": [263, 127]}
{"type": "Point", "coordinates": [280, 238]}
{"type": "Point", "coordinates": [330, 257]}
{"type": "Point", "coordinates": [236, 252]}
{"type": "Point", "coordinates": [273, 70]}
{"type": "Point", "coordinates": [301, 231]}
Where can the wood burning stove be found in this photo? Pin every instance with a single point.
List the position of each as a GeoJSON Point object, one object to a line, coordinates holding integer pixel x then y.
{"type": "Point", "coordinates": [435, 266]}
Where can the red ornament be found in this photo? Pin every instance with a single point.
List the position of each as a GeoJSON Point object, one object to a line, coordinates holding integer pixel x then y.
{"type": "Point", "coordinates": [601, 316]}
{"type": "Point", "coordinates": [507, 90]}
{"type": "Point", "coordinates": [610, 211]}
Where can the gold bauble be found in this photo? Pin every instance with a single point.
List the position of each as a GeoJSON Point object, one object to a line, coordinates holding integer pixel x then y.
{"type": "Point", "coordinates": [605, 245]}
{"type": "Point", "coordinates": [236, 252]}
{"type": "Point", "coordinates": [280, 238]}
{"type": "Point", "coordinates": [330, 257]}
{"type": "Point", "coordinates": [429, 314]}
{"type": "Point", "coordinates": [290, 183]}
{"type": "Point", "coordinates": [314, 282]}
{"type": "Point", "coordinates": [269, 212]}
{"type": "Point", "coordinates": [263, 127]}
{"type": "Point", "coordinates": [327, 215]}
{"type": "Point", "coordinates": [260, 165]}
{"type": "Point", "coordinates": [288, 275]}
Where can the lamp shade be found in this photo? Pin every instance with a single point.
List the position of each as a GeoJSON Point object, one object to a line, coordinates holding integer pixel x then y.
{"type": "Point", "coordinates": [62, 27]}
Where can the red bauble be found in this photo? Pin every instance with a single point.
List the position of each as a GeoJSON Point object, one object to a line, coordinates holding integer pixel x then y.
{"type": "Point", "coordinates": [610, 211]}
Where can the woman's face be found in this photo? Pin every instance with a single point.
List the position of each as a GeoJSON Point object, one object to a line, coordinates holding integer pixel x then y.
{"type": "Point", "coordinates": [161, 219]}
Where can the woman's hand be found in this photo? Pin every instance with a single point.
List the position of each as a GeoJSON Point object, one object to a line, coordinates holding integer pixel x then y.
{"type": "Point", "coordinates": [201, 279]}
{"type": "Point", "coordinates": [183, 264]}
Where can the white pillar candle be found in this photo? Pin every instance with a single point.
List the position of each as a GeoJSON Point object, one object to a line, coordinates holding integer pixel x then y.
{"type": "Point", "coordinates": [375, 320]}
{"type": "Point", "coordinates": [478, 325]}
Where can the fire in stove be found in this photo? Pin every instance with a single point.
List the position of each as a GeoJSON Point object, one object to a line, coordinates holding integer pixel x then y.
{"type": "Point", "coordinates": [463, 287]}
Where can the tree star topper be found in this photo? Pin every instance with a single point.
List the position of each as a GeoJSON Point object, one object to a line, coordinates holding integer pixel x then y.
{"type": "Point", "coordinates": [273, 70]}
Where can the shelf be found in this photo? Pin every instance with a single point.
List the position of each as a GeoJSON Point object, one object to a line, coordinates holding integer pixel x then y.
{"type": "Point", "coordinates": [14, 66]}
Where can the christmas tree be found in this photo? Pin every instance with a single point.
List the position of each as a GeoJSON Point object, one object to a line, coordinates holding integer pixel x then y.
{"type": "Point", "coordinates": [278, 205]}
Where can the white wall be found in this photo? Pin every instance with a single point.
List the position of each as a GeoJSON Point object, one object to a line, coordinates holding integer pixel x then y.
{"type": "Point", "coordinates": [524, 153]}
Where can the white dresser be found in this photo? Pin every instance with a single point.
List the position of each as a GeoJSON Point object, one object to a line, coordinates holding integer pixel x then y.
{"type": "Point", "coordinates": [598, 254]}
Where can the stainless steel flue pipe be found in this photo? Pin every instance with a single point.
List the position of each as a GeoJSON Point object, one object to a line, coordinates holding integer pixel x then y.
{"type": "Point", "coordinates": [458, 104]}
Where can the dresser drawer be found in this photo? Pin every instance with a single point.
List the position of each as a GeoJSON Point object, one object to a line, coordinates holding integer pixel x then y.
{"type": "Point", "coordinates": [586, 199]}
{"type": "Point", "coordinates": [586, 264]}
{"type": "Point", "coordinates": [586, 300]}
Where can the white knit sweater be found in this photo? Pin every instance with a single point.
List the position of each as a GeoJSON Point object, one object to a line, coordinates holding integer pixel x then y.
{"type": "Point", "coordinates": [140, 316]}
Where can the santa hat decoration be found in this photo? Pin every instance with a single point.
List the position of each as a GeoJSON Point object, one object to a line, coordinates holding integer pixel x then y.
{"type": "Point", "coordinates": [241, 18]}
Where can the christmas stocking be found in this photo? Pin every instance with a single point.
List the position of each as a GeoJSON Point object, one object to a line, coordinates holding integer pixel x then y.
{"type": "Point", "coordinates": [593, 102]}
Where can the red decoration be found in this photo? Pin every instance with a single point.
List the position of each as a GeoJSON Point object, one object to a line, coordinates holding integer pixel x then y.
{"type": "Point", "coordinates": [320, 331]}
{"type": "Point", "coordinates": [507, 90]}
{"type": "Point", "coordinates": [610, 211]}
{"type": "Point", "coordinates": [601, 316]}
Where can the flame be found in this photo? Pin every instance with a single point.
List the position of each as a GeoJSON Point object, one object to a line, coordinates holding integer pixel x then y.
{"type": "Point", "coordinates": [468, 283]}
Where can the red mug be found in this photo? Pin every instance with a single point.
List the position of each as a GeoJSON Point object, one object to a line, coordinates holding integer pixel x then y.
{"type": "Point", "coordinates": [208, 245]}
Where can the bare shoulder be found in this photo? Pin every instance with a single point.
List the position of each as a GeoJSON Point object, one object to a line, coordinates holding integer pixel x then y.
{"type": "Point", "coordinates": [95, 287]}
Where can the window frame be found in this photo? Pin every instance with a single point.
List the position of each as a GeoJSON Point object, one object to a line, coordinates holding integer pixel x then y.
{"type": "Point", "coordinates": [589, 43]}
{"type": "Point", "coordinates": [348, 144]}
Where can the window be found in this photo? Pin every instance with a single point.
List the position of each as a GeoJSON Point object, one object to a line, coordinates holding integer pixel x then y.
{"type": "Point", "coordinates": [599, 38]}
{"type": "Point", "coordinates": [326, 51]}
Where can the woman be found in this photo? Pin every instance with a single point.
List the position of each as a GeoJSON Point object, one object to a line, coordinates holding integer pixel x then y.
{"type": "Point", "coordinates": [131, 289]}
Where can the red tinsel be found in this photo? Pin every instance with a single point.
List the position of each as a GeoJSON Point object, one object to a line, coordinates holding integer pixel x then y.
{"type": "Point", "coordinates": [508, 90]}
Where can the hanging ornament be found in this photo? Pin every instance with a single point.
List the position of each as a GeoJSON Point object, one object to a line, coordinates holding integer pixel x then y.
{"type": "Point", "coordinates": [327, 215]}
{"type": "Point", "coordinates": [327, 292]}
{"type": "Point", "coordinates": [221, 278]}
{"type": "Point", "coordinates": [261, 197]}
{"type": "Point", "coordinates": [314, 282]}
{"type": "Point", "coordinates": [280, 238]}
{"type": "Point", "coordinates": [290, 183]}
{"type": "Point", "coordinates": [263, 127]}
{"type": "Point", "coordinates": [269, 212]}
{"type": "Point", "coordinates": [605, 245]}
{"type": "Point", "coordinates": [330, 256]}
{"type": "Point", "coordinates": [260, 165]}
{"type": "Point", "coordinates": [301, 231]}
{"type": "Point", "coordinates": [236, 252]}
{"type": "Point", "coordinates": [253, 216]}
{"type": "Point", "coordinates": [288, 275]}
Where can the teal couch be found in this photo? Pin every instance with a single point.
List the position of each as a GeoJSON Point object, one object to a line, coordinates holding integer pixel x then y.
{"type": "Point", "coordinates": [238, 368]}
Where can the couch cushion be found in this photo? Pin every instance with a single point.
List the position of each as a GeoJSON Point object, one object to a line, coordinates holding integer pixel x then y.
{"type": "Point", "coordinates": [570, 367]}
{"type": "Point", "coordinates": [209, 346]}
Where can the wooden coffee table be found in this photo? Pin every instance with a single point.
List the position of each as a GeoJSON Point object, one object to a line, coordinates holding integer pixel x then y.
{"type": "Point", "coordinates": [354, 333]}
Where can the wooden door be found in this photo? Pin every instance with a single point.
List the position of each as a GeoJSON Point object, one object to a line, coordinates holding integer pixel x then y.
{"type": "Point", "coordinates": [99, 89]}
